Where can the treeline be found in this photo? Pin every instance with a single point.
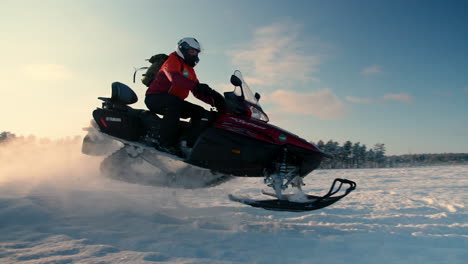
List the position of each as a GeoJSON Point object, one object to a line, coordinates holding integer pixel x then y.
{"type": "Point", "coordinates": [7, 136]}
{"type": "Point", "coordinates": [356, 155]}
{"type": "Point", "coordinates": [427, 160]}
{"type": "Point", "coordinates": [352, 155]}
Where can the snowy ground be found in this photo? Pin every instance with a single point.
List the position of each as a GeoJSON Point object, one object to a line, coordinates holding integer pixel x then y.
{"type": "Point", "coordinates": [56, 208]}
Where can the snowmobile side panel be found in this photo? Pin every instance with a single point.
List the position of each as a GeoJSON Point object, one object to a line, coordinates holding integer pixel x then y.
{"type": "Point", "coordinates": [261, 131]}
{"type": "Point", "coordinates": [122, 124]}
{"type": "Point", "coordinates": [231, 153]}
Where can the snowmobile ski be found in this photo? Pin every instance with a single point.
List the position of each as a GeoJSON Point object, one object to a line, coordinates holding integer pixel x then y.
{"type": "Point", "coordinates": [312, 202]}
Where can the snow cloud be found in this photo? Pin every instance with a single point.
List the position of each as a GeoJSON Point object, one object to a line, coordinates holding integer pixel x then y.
{"type": "Point", "coordinates": [56, 168]}
{"type": "Point", "coordinates": [401, 97]}
{"type": "Point", "coordinates": [36, 161]}
{"type": "Point", "coordinates": [371, 70]}
{"type": "Point", "coordinates": [47, 72]}
{"type": "Point", "coordinates": [276, 54]}
{"type": "Point", "coordinates": [322, 104]}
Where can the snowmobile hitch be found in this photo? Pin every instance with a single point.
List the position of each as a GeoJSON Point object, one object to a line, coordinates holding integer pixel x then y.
{"type": "Point", "coordinates": [286, 203]}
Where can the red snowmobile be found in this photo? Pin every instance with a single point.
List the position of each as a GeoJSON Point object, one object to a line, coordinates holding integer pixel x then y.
{"type": "Point", "coordinates": [235, 140]}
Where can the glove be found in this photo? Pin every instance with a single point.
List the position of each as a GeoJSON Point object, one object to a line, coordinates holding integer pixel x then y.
{"type": "Point", "coordinates": [203, 89]}
{"type": "Point", "coordinates": [218, 100]}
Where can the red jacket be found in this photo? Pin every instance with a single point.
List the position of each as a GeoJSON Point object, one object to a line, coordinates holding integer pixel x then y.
{"type": "Point", "coordinates": [177, 78]}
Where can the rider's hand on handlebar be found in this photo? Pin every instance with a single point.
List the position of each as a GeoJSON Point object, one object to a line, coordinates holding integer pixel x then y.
{"type": "Point", "coordinates": [203, 89]}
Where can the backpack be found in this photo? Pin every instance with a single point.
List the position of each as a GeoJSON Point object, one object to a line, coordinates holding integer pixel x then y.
{"type": "Point", "coordinates": [156, 62]}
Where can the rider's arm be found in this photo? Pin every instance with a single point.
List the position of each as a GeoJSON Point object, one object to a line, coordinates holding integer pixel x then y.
{"type": "Point", "coordinates": [173, 70]}
{"type": "Point", "coordinates": [205, 98]}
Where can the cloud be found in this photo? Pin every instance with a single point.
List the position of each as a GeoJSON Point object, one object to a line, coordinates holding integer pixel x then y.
{"type": "Point", "coordinates": [276, 55]}
{"type": "Point", "coordinates": [374, 69]}
{"type": "Point", "coordinates": [359, 100]}
{"type": "Point", "coordinates": [47, 72]}
{"type": "Point", "coordinates": [322, 104]}
{"type": "Point", "coordinates": [402, 97]}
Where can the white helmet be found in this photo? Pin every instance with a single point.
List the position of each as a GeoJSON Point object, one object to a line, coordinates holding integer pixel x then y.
{"type": "Point", "coordinates": [186, 44]}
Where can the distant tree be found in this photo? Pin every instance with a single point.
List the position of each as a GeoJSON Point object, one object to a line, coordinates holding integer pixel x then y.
{"type": "Point", "coordinates": [355, 151]}
{"type": "Point", "coordinates": [321, 145]}
{"type": "Point", "coordinates": [332, 148]}
{"type": "Point", "coordinates": [5, 135]}
{"type": "Point", "coordinates": [370, 157]}
{"type": "Point", "coordinates": [345, 154]}
{"type": "Point", "coordinates": [379, 150]}
{"type": "Point", "coordinates": [362, 154]}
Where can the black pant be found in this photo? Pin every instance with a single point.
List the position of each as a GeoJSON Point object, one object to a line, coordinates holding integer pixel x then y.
{"type": "Point", "coordinates": [173, 108]}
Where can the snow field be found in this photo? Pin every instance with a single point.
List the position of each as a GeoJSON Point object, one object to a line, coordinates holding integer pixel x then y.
{"type": "Point", "coordinates": [55, 207]}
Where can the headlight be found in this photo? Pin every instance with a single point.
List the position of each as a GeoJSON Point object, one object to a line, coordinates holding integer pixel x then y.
{"type": "Point", "coordinates": [257, 114]}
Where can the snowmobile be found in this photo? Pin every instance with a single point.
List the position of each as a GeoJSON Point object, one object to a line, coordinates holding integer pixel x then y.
{"type": "Point", "coordinates": [234, 140]}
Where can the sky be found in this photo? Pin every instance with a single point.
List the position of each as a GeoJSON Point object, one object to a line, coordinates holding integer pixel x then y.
{"type": "Point", "coordinates": [392, 72]}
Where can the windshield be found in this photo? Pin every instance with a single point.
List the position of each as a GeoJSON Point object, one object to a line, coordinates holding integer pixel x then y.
{"type": "Point", "coordinates": [248, 95]}
{"type": "Point", "coordinates": [255, 108]}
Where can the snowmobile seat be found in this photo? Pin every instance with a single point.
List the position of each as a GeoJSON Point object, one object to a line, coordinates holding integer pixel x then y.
{"type": "Point", "coordinates": [121, 97]}
{"type": "Point", "coordinates": [121, 93]}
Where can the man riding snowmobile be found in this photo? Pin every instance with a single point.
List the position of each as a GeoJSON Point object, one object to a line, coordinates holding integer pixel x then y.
{"type": "Point", "coordinates": [167, 93]}
{"type": "Point", "coordinates": [237, 140]}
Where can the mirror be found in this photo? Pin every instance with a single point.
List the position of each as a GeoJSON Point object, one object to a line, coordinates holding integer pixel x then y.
{"type": "Point", "coordinates": [257, 96]}
{"type": "Point", "coordinates": [236, 81]}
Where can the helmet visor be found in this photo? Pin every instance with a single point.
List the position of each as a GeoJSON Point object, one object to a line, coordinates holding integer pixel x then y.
{"type": "Point", "coordinates": [193, 52]}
